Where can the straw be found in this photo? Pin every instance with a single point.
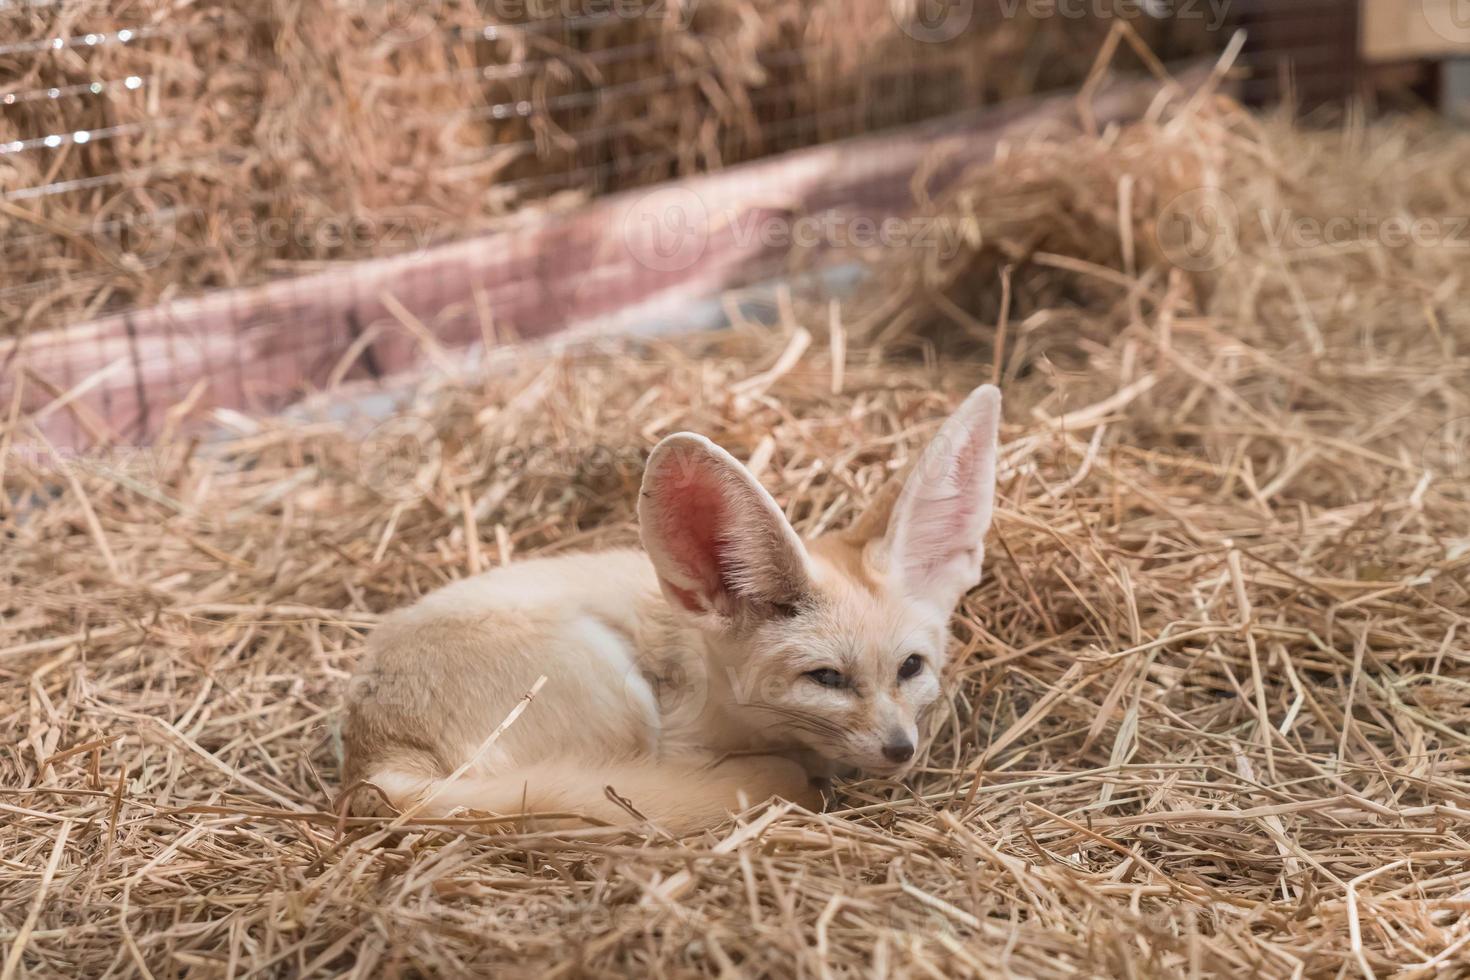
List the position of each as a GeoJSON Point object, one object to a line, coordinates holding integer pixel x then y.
{"type": "Point", "coordinates": [1208, 714]}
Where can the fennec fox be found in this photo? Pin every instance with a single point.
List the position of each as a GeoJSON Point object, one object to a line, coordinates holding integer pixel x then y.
{"type": "Point", "coordinates": [727, 663]}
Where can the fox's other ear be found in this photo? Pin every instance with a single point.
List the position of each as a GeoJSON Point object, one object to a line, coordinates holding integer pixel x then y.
{"type": "Point", "coordinates": [720, 545]}
{"type": "Point", "coordinates": [935, 539]}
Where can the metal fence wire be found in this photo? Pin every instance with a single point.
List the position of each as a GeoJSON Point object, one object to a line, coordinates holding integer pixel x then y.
{"type": "Point", "coordinates": [150, 150]}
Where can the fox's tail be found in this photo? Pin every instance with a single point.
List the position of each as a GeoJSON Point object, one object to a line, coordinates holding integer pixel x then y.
{"type": "Point", "coordinates": [680, 797]}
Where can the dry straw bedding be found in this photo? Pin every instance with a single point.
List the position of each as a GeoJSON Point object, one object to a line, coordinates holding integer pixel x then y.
{"type": "Point", "coordinates": [1210, 705]}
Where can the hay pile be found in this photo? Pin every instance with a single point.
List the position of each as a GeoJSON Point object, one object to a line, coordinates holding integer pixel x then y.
{"type": "Point", "coordinates": [1211, 707]}
{"type": "Point", "coordinates": [228, 141]}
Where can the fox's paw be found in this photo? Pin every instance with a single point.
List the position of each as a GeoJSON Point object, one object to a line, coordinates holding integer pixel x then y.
{"type": "Point", "coordinates": [755, 778]}
{"type": "Point", "coordinates": [791, 781]}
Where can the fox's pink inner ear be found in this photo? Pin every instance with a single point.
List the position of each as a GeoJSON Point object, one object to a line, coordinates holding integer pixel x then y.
{"type": "Point", "coordinates": [717, 540]}
{"type": "Point", "coordinates": [687, 518]}
{"type": "Point", "coordinates": [936, 537]}
{"type": "Point", "coordinates": [947, 513]}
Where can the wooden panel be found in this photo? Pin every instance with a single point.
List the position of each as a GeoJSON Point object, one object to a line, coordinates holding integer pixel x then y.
{"type": "Point", "coordinates": [1306, 50]}
{"type": "Point", "coordinates": [1400, 30]}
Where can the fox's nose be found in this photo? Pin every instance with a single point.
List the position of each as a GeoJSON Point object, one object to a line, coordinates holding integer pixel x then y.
{"type": "Point", "coordinates": [899, 750]}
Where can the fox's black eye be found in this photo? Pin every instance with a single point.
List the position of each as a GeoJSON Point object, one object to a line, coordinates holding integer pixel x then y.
{"type": "Point", "coordinates": [910, 667]}
{"type": "Point", "coordinates": [827, 677]}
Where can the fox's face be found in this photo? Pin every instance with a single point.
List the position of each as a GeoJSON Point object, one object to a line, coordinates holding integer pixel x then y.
{"type": "Point", "coordinates": [835, 646]}
{"type": "Point", "coordinates": [850, 673]}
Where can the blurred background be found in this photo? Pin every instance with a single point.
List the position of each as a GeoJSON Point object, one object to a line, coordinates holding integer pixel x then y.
{"type": "Point", "coordinates": [159, 163]}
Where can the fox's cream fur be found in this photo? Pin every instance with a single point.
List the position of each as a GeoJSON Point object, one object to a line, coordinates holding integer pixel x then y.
{"type": "Point", "coordinates": [726, 663]}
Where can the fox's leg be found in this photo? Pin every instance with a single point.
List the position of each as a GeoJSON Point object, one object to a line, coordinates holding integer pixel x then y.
{"type": "Point", "coordinates": [681, 797]}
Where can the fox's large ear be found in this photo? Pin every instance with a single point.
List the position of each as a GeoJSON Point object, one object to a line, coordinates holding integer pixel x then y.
{"type": "Point", "coordinates": [720, 545]}
{"type": "Point", "coordinates": [935, 540]}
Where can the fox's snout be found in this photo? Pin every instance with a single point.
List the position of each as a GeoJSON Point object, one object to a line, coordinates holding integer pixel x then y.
{"type": "Point", "coordinates": [884, 748]}
{"type": "Point", "coordinates": [899, 750]}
